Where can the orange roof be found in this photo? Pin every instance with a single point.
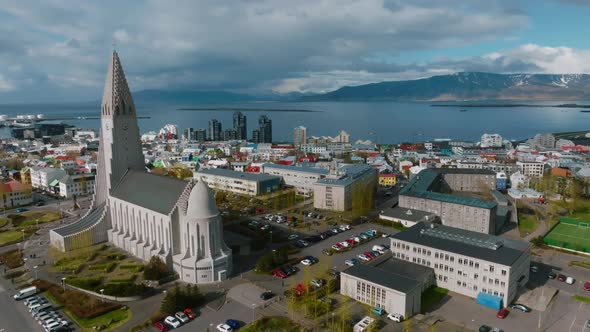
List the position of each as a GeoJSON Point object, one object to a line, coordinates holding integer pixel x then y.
{"type": "Point", "coordinates": [13, 186]}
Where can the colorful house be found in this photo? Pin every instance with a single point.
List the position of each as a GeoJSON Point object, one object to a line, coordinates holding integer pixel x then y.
{"type": "Point", "coordinates": [387, 180]}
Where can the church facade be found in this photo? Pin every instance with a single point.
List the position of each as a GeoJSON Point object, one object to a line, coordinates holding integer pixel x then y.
{"type": "Point", "coordinates": [143, 213]}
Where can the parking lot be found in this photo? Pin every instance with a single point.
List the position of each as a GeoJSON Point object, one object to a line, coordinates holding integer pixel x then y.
{"type": "Point", "coordinates": [43, 312]}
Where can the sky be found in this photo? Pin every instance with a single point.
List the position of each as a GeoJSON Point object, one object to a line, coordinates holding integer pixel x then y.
{"type": "Point", "coordinates": [57, 50]}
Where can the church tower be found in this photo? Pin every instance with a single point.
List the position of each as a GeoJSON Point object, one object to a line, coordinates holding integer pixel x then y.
{"type": "Point", "coordinates": [120, 142]}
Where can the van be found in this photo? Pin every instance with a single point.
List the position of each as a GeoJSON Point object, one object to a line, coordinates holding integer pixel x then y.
{"type": "Point", "coordinates": [570, 281]}
{"type": "Point", "coordinates": [25, 292]}
{"type": "Point", "coordinates": [378, 248]}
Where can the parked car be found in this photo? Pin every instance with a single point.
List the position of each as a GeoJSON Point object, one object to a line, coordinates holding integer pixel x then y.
{"type": "Point", "coordinates": [172, 322]}
{"type": "Point", "coordinates": [160, 326]}
{"type": "Point", "coordinates": [292, 237]}
{"type": "Point", "coordinates": [378, 311]}
{"type": "Point", "coordinates": [318, 282]}
{"type": "Point", "coordinates": [587, 285]}
{"type": "Point", "coordinates": [234, 324]}
{"type": "Point", "coordinates": [502, 313]}
{"type": "Point", "coordinates": [570, 280]}
{"type": "Point", "coordinates": [266, 295]}
{"type": "Point", "coordinates": [484, 328]}
{"type": "Point", "coordinates": [337, 247]}
{"type": "Point", "coordinates": [351, 262]}
{"type": "Point", "coordinates": [312, 259]}
{"type": "Point", "coordinates": [224, 328]}
{"type": "Point", "coordinates": [182, 317]}
{"type": "Point", "coordinates": [190, 313]}
{"type": "Point", "coordinates": [551, 275]}
{"type": "Point", "coordinates": [327, 252]}
{"type": "Point", "coordinates": [534, 268]}
{"type": "Point", "coordinates": [497, 329]}
{"type": "Point", "coordinates": [363, 236]}
{"type": "Point", "coordinates": [395, 317]}
{"type": "Point", "coordinates": [306, 262]}
{"type": "Point", "coordinates": [279, 273]}
{"type": "Point", "coordinates": [20, 210]}
{"type": "Point", "coordinates": [561, 277]}
{"type": "Point", "coordinates": [364, 257]}
{"type": "Point", "coordinates": [520, 307]}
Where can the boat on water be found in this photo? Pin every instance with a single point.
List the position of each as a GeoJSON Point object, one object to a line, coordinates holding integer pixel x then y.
{"type": "Point", "coordinates": [585, 111]}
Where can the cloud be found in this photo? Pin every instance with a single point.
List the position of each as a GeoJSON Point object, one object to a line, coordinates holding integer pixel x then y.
{"type": "Point", "coordinates": [252, 46]}
{"type": "Point", "coordinates": [5, 85]}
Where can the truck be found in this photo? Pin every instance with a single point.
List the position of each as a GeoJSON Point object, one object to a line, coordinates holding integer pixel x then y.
{"type": "Point", "coordinates": [25, 292]}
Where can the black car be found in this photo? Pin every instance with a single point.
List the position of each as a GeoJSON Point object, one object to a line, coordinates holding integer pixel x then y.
{"type": "Point", "coordinates": [552, 275]}
{"type": "Point", "coordinates": [286, 270]}
{"type": "Point", "coordinates": [312, 259]}
{"type": "Point", "coordinates": [266, 295]}
{"type": "Point", "coordinates": [484, 328]}
{"type": "Point", "coordinates": [520, 307]}
{"type": "Point", "coordinates": [290, 270]}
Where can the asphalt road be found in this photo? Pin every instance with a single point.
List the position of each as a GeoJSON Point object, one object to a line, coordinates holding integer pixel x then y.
{"type": "Point", "coordinates": [14, 316]}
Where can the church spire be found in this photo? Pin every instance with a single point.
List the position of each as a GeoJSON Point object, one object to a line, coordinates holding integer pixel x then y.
{"type": "Point", "coordinates": [116, 99]}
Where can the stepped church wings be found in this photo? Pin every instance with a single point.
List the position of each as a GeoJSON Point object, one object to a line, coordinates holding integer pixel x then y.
{"type": "Point", "coordinates": [143, 213]}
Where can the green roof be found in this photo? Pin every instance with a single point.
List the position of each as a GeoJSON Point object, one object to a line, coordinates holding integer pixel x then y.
{"type": "Point", "coordinates": [420, 184]}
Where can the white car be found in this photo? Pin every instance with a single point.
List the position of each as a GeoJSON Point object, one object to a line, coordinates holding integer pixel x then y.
{"type": "Point", "coordinates": [292, 237]}
{"type": "Point", "coordinates": [396, 317]}
{"type": "Point", "coordinates": [364, 257]}
{"type": "Point", "coordinates": [224, 328]}
{"type": "Point", "coordinates": [570, 281]}
{"type": "Point", "coordinates": [345, 244]}
{"type": "Point", "coordinates": [172, 322]}
{"type": "Point", "coordinates": [306, 262]}
{"type": "Point", "coordinates": [182, 317]}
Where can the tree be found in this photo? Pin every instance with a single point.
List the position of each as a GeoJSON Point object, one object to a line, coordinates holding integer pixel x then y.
{"type": "Point", "coordinates": [155, 270]}
{"type": "Point", "coordinates": [179, 298]}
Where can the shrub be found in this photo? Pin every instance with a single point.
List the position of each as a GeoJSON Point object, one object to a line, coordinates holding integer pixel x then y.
{"type": "Point", "coordinates": [78, 303]}
{"type": "Point", "coordinates": [124, 279]}
{"type": "Point", "coordinates": [132, 267]}
{"type": "Point", "coordinates": [12, 259]}
{"type": "Point", "coordinates": [106, 267]}
{"type": "Point", "coordinates": [89, 283]}
{"type": "Point", "coordinates": [155, 269]}
{"type": "Point", "coordinates": [14, 274]}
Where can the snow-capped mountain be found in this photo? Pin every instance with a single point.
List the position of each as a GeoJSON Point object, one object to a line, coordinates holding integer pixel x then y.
{"type": "Point", "coordinates": [471, 86]}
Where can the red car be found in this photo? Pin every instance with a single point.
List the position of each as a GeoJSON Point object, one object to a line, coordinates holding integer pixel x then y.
{"type": "Point", "coordinates": [191, 314]}
{"type": "Point", "coordinates": [279, 273]}
{"type": "Point", "coordinates": [369, 254]}
{"type": "Point", "coordinates": [561, 277]}
{"type": "Point", "coordinates": [502, 313]}
{"type": "Point", "coordinates": [161, 326]}
{"type": "Point", "coordinates": [587, 285]}
{"type": "Point", "coordinates": [351, 242]}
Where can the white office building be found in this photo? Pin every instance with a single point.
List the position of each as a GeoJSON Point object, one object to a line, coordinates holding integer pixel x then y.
{"type": "Point", "coordinates": [301, 178]}
{"type": "Point", "coordinates": [491, 141]}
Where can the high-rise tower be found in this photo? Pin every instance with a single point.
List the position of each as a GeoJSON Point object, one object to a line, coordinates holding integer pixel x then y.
{"type": "Point", "coordinates": [240, 125]}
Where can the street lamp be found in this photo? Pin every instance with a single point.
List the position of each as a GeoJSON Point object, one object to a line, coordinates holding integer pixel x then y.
{"type": "Point", "coordinates": [271, 238]}
{"type": "Point", "coordinates": [102, 294]}
{"type": "Point", "coordinates": [37, 223]}
{"type": "Point", "coordinates": [63, 282]}
{"type": "Point", "coordinates": [253, 311]}
{"type": "Point", "coordinates": [23, 230]}
{"type": "Point", "coordinates": [35, 268]}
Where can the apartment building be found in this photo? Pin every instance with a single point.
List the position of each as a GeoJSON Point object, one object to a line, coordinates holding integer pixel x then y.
{"type": "Point", "coordinates": [14, 193]}
{"type": "Point", "coordinates": [41, 177]}
{"type": "Point", "coordinates": [491, 141]}
{"type": "Point", "coordinates": [76, 185]}
{"type": "Point", "coordinates": [339, 192]}
{"type": "Point", "coordinates": [251, 184]}
{"type": "Point", "coordinates": [466, 262]}
{"type": "Point", "coordinates": [531, 168]}
{"type": "Point", "coordinates": [301, 178]}
{"type": "Point", "coordinates": [434, 191]}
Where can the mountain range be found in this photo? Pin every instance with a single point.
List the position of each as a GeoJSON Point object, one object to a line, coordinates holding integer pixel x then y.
{"type": "Point", "coordinates": [468, 86]}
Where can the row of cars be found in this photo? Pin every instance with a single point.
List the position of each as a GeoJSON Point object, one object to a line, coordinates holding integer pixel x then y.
{"type": "Point", "coordinates": [561, 277]}
{"type": "Point", "coordinates": [182, 317]}
{"type": "Point", "coordinates": [354, 241]}
{"type": "Point", "coordinates": [302, 243]}
{"type": "Point", "coordinates": [44, 313]}
{"type": "Point", "coordinates": [377, 250]}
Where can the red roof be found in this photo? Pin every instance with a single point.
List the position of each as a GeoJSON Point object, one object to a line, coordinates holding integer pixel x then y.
{"type": "Point", "coordinates": [12, 186]}
{"type": "Point", "coordinates": [64, 158]}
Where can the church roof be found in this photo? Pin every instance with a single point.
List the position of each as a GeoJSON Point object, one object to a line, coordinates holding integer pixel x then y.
{"type": "Point", "coordinates": [116, 88]}
{"type": "Point", "coordinates": [201, 202]}
{"type": "Point", "coordinates": [154, 192]}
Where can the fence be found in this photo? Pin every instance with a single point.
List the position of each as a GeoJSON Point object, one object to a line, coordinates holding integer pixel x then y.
{"type": "Point", "coordinates": [559, 242]}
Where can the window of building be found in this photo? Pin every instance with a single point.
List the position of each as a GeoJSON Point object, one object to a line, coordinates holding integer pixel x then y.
{"type": "Point", "coordinates": [491, 268]}
{"type": "Point", "coordinates": [446, 278]}
{"type": "Point", "coordinates": [460, 261]}
{"type": "Point", "coordinates": [477, 265]}
{"type": "Point", "coordinates": [503, 272]}
{"type": "Point", "coordinates": [436, 255]}
{"type": "Point", "coordinates": [475, 276]}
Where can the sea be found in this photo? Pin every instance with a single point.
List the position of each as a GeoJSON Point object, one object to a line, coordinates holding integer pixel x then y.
{"type": "Point", "coordinates": [381, 122]}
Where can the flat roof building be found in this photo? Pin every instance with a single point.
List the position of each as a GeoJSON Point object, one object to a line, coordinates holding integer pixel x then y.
{"type": "Point", "coordinates": [353, 186]}
{"type": "Point", "coordinates": [466, 262]}
{"type": "Point", "coordinates": [251, 184]}
{"type": "Point", "coordinates": [302, 178]}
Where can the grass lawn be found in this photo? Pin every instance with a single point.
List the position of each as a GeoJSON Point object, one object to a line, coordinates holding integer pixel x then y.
{"type": "Point", "coordinates": [32, 217]}
{"type": "Point", "coordinates": [110, 320]}
{"type": "Point", "coordinates": [527, 224]}
{"type": "Point", "coordinates": [580, 264]}
{"type": "Point", "coordinates": [3, 222]}
{"type": "Point", "coordinates": [10, 237]}
{"type": "Point", "coordinates": [432, 296]}
{"type": "Point", "coordinates": [581, 298]}
{"type": "Point", "coordinates": [272, 324]}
